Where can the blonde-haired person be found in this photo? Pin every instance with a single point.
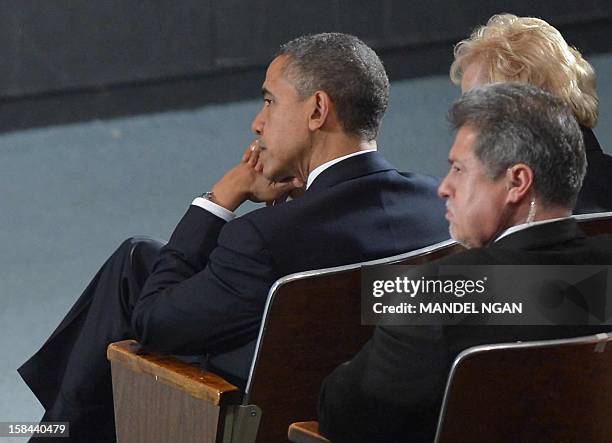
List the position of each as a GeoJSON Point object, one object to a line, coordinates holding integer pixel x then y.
{"type": "Point", "coordinates": [529, 50]}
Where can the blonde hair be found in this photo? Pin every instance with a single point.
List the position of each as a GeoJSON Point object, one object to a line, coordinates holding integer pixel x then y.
{"type": "Point", "coordinates": [529, 50]}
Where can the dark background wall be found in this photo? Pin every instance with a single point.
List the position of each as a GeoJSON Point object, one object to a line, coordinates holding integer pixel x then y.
{"type": "Point", "coordinates": [67, 60]}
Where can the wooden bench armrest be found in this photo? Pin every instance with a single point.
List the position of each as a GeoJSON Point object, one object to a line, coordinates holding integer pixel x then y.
{"type": "Point", "coordinates": [187, 377]}
{"type": "Point", "coordinates": [306, 432]}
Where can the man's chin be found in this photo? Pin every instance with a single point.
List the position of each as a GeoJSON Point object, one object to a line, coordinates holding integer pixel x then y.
{"type": "Point", "coordinates": [278, 177]}
{"type": "Point", "coordinates": [273, 177]}
{"type": "Point", "coordinates": [459, 238]}
{"type": "Point", "coordinates": [270, 175]}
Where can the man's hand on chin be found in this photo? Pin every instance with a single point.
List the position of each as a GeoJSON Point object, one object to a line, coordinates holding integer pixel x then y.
{"type": "Point", "coordinates": [246, 182]}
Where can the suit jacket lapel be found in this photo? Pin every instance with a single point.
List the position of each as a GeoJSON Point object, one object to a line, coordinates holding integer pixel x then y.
{"type": "Point", "coordinates": [353, 167]}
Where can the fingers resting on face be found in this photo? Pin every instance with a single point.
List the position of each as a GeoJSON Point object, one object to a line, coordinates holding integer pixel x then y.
{"type": "Point", "coordinates": [263, 189]}
{"type": "Point", "coordinates": [251, 156]}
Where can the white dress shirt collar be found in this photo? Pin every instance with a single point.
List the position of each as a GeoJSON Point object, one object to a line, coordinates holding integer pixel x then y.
{"type": "Point", "coordinates": [316, 171]}
{"type": "Point", "coordinates": [522, 226]}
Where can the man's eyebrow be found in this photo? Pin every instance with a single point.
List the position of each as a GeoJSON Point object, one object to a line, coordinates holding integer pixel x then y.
{"type": "Point", "coordinates": [265, 92]}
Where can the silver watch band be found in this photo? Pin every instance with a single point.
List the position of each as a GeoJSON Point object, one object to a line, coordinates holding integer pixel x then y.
{"type": "Point", "coordinates": [208, 195]}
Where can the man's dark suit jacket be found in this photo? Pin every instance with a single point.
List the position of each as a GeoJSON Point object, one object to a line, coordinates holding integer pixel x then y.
{"type": "Point", "coordinates": [595, 195]}
{"type": "Point", "coordinates": [392, 389]}
{"type": "Point", "coordinates": [208, 288]}
{"type": "Point", "coordinates": [204, 292]}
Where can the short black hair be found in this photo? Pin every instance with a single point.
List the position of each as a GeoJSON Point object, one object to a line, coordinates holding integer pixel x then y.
{"type": "Point", "coordinates": [348, 70]}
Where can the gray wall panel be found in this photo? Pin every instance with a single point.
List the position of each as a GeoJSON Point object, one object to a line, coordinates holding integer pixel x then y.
{"type": "Point", "coordinates": [74, 60]}
{"type": "Point", "coordinates": [63, 44]}
{"type": "Point", "coordinates": [54, 45]}
{"type": "Point", "coordinates": [249, 33]}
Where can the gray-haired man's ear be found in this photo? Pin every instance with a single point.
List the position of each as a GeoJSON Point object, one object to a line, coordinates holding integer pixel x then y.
{"type": "Point", "coordinates": [519, 182]}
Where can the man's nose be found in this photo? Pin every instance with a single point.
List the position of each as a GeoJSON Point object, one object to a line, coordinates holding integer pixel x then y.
{"type": "Point", "coordinates": [444, 188]}
{"type": "Point", "coordinates": [257, 125]}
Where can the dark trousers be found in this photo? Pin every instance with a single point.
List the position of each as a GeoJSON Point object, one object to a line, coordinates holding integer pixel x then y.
{"type": "Point", "coordinates": [70, 374]}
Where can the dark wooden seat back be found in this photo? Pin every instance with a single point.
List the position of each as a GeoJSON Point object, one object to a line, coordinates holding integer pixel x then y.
{"type": "Point", "coordinates": [311, 325]}
{"type": "Point", "coordinates": [557, 390]}
{"type": "Point", "coordinates": [549, 391]}
{"type": "Point", "coordinates": [595, 224]}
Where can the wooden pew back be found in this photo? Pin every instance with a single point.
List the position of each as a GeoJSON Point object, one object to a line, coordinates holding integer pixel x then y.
{"type": "Point", "coordinates": [549, 391]}
{"type": "Point", "coordinates": [312, 323]}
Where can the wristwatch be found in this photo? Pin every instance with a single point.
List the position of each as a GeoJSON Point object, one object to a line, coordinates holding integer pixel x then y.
{"type": "Point", "coordinates": [208, 195]}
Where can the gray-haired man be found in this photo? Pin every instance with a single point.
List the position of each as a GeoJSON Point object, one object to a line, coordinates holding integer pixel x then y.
{"type": "Point", "coordinates": [516, 168]}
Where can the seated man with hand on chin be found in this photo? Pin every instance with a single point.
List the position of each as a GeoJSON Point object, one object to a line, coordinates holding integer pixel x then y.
{"type": "Point", "coordinates": [204, 292]}
{"type": "Point", "coordinates": [517, 164]}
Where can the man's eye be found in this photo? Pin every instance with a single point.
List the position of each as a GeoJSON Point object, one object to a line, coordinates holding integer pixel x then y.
{"type": "Point", "coordinates": [267, 101]}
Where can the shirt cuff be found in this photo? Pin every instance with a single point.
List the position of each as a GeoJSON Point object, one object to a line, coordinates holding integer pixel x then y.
{"type": "Point", "coordinates": [214, 208]}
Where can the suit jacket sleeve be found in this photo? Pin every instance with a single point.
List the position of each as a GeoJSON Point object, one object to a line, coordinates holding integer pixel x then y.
{"type": "Point", "coordinates": [207, 289]}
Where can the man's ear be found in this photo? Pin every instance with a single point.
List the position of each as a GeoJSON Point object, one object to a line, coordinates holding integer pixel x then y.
{"type": "Point", "coordinates": [519, 182]}
{"type": "Point", "coordinates": [321, 110]}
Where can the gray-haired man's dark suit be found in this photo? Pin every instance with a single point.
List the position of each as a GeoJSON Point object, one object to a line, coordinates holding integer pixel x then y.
{"type": "Point", "coordinates": [391, 391]}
